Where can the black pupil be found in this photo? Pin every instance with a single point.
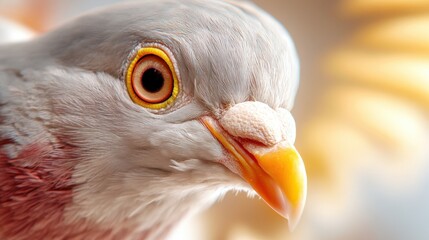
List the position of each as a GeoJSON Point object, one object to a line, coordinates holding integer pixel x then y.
{"type": "Point", "coordinates": [152, 80]}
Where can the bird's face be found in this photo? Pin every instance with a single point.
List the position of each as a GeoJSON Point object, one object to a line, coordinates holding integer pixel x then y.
{"type": "Point", "coordinates": [181, 103]}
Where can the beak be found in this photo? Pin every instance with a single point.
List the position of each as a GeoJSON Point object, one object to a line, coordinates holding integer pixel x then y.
{"type": "Point", "coordinates": [276, 173]}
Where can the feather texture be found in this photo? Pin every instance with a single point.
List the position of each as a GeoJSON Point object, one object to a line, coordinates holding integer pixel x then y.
{"type": "Point", "coordinates": [119, 170]}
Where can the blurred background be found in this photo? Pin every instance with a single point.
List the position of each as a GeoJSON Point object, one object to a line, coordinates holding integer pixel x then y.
{"type": "Point", "coordinates": [361, 112]}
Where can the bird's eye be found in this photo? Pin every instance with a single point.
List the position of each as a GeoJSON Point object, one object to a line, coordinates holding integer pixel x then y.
{"type": "Point", "coordinates": [151, 79]}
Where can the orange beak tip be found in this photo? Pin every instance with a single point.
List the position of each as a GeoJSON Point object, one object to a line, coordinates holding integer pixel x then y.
{"type": "Point", "coordinates": [287, 191]}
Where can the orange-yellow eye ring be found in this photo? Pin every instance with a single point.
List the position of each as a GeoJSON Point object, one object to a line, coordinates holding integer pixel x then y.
{"type": "Point", "coordinates": [151, 79]}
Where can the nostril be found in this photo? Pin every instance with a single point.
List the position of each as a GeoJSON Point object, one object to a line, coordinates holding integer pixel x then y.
{"type": "Point", "coordinates": [253, 121]}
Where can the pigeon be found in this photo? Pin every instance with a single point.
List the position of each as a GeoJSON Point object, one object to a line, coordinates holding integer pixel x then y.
{"type": "Point", "coordinates": [127, 119]}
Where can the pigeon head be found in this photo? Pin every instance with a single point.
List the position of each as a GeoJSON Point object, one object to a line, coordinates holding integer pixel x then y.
{"type": "Point", "coordinates": [164, 106]}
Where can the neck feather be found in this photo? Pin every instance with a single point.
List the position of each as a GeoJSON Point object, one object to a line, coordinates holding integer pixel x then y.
{"type": "Point", "coordinates": [34, 193]}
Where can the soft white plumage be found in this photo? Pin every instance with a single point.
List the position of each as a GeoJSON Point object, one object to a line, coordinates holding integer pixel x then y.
{"type": "Point", "coordinates": [128, 171]}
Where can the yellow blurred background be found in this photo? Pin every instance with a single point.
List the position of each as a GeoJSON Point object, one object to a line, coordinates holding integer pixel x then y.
{"type": "Point", "coordinates": [361, 112]}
